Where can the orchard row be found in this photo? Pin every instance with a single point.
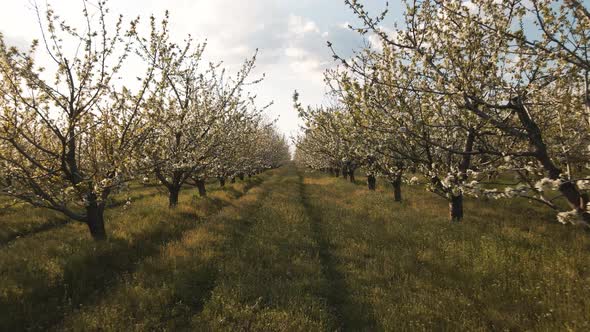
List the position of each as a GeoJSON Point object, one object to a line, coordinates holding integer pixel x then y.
{"type": "Point", "coordinates": [484, 98]}
{"type": "Point", "coordinates": [87, 110]}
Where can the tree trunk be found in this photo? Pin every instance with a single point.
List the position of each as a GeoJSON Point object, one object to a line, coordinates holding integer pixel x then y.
{"type": "Point", "coordinates": [587, 95]}
{"type": "Point", "coordinates": [397, 189]}
{"type": "Point", "coordinates": [576, 200]}
{"type": "Point", "coordinates": [337, 172]}
{"type": "Point", "coordinates": [233, 180]}
{"type": "Point", "coordinates": [221, 181]}
{"type": "Point", "coordinates": [569, 190]}
{"type": "Point", "coordinates": [173, 197]}
{"type": "Point", "coordinates": [95, 218]}
{"type": "Point", "coordinates": [241, 176]}
{"type": "Point", "coordinates": [201, 187]}
{"type": "Point", "coordinates": [456, 208]}
{"type": "Point", "coordinates": [456, 203]}
{"type": "Point", "coordinates": [345, 173]}
{"type": "Point", "coordinates": [351, 175]}
{"type": "Point", "coordinates": [372, 182]}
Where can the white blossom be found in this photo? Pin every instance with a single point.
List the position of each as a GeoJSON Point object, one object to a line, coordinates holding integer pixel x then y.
{"type": "Point", "coordinates": [569, 217]}
{"type": "Point", "coordinates": [583, 184]}
{"type": "Point", "coordinates": [546, 184]}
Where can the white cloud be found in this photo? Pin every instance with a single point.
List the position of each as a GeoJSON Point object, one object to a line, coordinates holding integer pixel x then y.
{"type": "Point", "coordinates": [345, 25]}
{"type": "Point", "coordinates": [299, 26]}
{"type": "Point", "coordinates": [295, 52]}
{"type": "Point", "coordinates": [18, 42]}
{"type": "Point", "coordinates": [290, 34]}
{"type": "Point", "coordinates": [375, 40]}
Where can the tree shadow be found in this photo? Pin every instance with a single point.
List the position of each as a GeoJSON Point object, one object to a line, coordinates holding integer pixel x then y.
{"type": "Point", "coordinates": [86, 278]}
{"type": "Point", "coordinates": [351, 315]}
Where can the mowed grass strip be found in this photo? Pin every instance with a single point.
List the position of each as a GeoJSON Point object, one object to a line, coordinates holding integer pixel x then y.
{"type": "Point", "coordinates": [47, 275]}
{"type": "Point", "coordinates": [273, 280]}
{"type": "Point", "coordinates": [508, 266]}
{"type": "Point", "coordinates": [167, 289]}
{"type": "Point", "coordinates": [351, 314]}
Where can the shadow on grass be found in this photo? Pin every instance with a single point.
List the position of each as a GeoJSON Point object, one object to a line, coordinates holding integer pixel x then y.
{"type": "Point", "coordinates": [50, 225]}
{"type": "Point", "coordinates": [87, 277]}
{"type": "Point", "coordinates": [346, 310]}
{"type": "Point", "coordinates": [167, 290]}
{"type": "Point", "coordinates": [508, 266]}
{"type": "Point", "coordinates": [238, 233]}
{"type": "Point", "coordinates": [84, 277]}
{"type": "Point", "coordinates": [58, 222]}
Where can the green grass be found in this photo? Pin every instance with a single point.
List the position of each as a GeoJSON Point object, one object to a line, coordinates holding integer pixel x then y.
{"type": "Point", "coordinates": [165, 289]}
{"type": "Point", "coordinates": [21, 219]}
{"type": "Point", "coordinates": [302, 252]}
{"type": "Point", "coordinates": [508, 266]}
{"type": "Point", "coordinates": [48, 274]}
{"type": "Point", "coordinates": [271, 279]}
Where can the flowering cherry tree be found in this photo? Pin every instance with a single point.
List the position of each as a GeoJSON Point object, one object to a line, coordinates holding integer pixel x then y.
{"type": "Point", "coordinates": [69, 134]}
{"type": "Point", "coordinates": [73, 133]}
{"type": "Point", "coordinates": [189, 107]}
{"type": "Point", "coordinates": [479, 97]}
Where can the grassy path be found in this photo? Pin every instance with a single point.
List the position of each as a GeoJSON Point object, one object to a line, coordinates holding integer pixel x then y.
{"type": "Point", "coordinates": [351, 315]}
{"type": "Point", "coordinates": [257, 265]}
{"type": "Point", "coordinates": [165, 290]}
{"type": "Point", "coordinates": [302, 252]}
{"type": "Point", "coordinates": [272, 280]}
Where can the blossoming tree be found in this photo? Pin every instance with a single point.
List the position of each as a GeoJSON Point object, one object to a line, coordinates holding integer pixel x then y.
{"type": "Point", "coordinates": [69, 134]}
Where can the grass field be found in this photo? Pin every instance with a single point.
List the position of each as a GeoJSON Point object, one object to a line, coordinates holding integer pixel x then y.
{"type": "Point", "coordinates": [290, 250]}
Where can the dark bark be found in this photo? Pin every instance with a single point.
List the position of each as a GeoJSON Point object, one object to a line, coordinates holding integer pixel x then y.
{"type": "Point", "coordinates": [337, 172]}
{"type": "Point", "coordinates": [70, 157]}
{"type": "Point", "coordinates": [466, 161]}
{"type": "Point", "coordinates": [221, 181]}
{"type": "Point", "coordinates": [575, 199]}
{"type": "Point", "coordinates": [351, 175]}
{"type": "Point", "coordinates": [241, 176]}
{"type": "Point", "coordinates": [201, 186]}
{"type": "Point", "coordinates": [456, 202]}
{"type": "Point", "coordinates": [587, 95]}
{"type": "Point", "coordinates": [95, 218]}
{"type": "Point", "coordinates": [372, 182]}
{"type": "Point", "coordinates": [345, 173]}
{"type": "Point", "coordinates": [456, 208]}
{"type": "Point", "coordinates": [173, 197]}
{"type": "Point", "coordinates": [569, 190]}
{"type": "Point", "coordinates": [397, 189]}
{"type": "Point", "coordinates": [233, 180]}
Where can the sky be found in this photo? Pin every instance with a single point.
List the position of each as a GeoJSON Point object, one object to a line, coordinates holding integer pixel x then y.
{"type": "Point", "coordinates": [290, 35]}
